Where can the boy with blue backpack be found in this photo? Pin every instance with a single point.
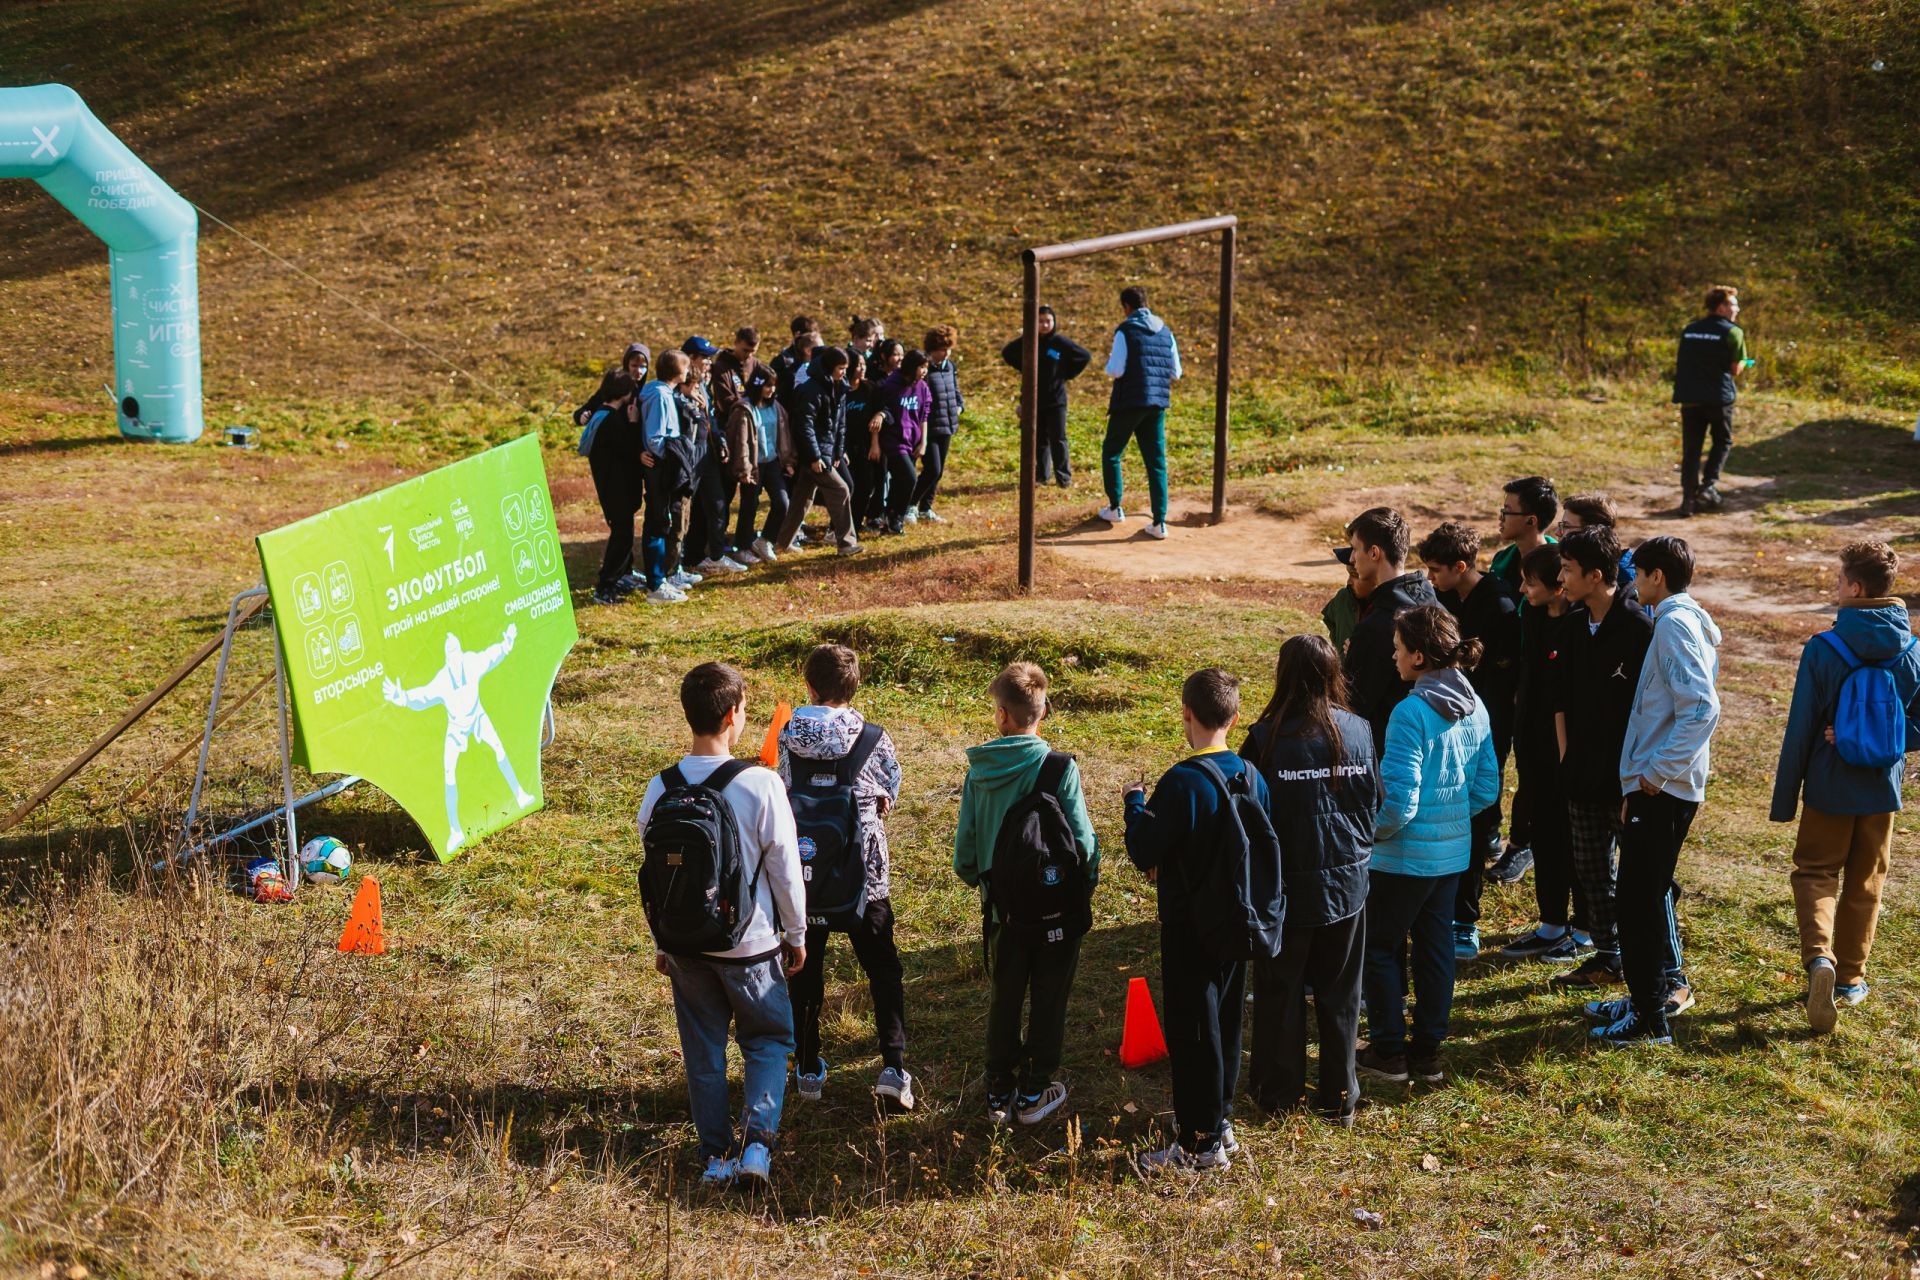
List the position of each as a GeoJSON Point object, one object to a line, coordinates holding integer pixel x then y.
{"type": "Point", "coordinates": [1024, 839]}
{"type": "Point", "coordinates": [843, 777]}
{"type": "Point", "coordinates": [1206, 840]}
{"type": "Point", "coordinates": [722, 890]}
{"type": "Point", "coordinates": [1843, 758]}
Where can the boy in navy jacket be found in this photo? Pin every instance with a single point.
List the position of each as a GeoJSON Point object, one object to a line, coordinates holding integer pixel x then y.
{"type": "Point", "coordinates": [1846, 820]}
{"type": "Point", "coordinates": [1170, 837]}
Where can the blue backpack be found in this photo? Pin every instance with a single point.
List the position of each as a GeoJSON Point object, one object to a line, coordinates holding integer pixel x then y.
{"type": "Point", "coordinates": [1870, 721]}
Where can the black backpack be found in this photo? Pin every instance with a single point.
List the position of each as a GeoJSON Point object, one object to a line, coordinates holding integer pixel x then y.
{"type": "Point", "coordinates": [1238, 904]}
{"type": "Point", "coordinates": [826, 814]}
{"type": "Point", "coordinates": [1038, 884]}
{"type": "Point", "coordinates": [693, 879]}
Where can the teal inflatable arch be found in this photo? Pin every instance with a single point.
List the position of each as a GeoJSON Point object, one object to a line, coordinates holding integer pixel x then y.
{"type": "Point", "coordinates": [152, 236]}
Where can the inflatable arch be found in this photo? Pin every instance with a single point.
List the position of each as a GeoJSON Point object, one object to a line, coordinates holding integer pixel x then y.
{"type": "Point", "coordinates": [48, 134]}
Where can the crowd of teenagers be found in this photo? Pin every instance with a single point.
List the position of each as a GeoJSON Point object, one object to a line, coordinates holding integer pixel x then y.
{"type": "Point", "coordinates": [1333, 856]}
{"type": "Point", "coordinates": [693, 444]}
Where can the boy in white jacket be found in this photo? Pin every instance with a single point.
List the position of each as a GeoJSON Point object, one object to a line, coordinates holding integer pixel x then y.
{"type": "Point", "coordinates": [1663, 778]}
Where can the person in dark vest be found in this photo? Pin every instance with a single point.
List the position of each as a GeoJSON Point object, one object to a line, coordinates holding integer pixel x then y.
{"type": "Point", "coordinates": [945, 404]}
{"type": "Point", "coordinates": [1713, 351]}
{"type": "Point", "coordinates": [1061, 360]}
{"type": "Point", "coordinates": [1143, 365]}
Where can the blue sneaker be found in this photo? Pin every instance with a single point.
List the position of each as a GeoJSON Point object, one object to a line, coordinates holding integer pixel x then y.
{"type": "Point", "coordinates": [1629, 1032]}
{"type": "Point", "coordinates": [719, 1171]}
{"type": "Point", "coordinates": [1850, 993]}
{"type": "Point", "coordinates": [756, 1163]}
{"type": "Point", "coordinates": [1466, 942]}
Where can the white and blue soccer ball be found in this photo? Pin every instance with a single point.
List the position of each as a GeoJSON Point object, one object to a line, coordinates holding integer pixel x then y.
{"type": "Point", "coordinates": [325, 860]}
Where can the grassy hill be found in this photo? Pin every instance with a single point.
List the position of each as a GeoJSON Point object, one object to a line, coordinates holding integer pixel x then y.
{"type": "Point", "coordinates": [1525, 187]}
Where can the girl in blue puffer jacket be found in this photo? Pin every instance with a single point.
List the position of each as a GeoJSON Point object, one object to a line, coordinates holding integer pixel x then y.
{"type": "Point", "coordinates": [1438, 769]}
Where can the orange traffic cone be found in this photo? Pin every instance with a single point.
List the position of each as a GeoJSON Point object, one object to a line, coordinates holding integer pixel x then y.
{"type": "Point", "coordinates": [362, 933]}
{"type": "Point", "coordinates": [1141, 1040]}
{"type": "Point", "coordinates": [770, 749]}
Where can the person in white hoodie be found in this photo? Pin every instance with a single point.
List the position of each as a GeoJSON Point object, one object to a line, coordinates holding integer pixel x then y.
{"type": "Point", "coordinates": [828, 730]}
{"type": "Point", "coordinates": [747, 984]}
{"type": "Point", "coordinates": [1663, 778]}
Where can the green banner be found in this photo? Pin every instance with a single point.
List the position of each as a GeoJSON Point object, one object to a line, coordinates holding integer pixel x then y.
{"type": "Point", "coordinates": [422, 628]}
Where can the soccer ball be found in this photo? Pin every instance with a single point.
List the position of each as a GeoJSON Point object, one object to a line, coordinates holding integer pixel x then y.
{"type": "Point", "coordinates": [325, 860]}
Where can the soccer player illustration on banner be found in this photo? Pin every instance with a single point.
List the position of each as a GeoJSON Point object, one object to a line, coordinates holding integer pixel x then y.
{"type": "Point", "coordinates": [457, 688]}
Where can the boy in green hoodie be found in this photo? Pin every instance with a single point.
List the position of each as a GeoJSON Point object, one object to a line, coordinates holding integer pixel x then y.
{"type": "Point", "coordinates": [1001, 774]}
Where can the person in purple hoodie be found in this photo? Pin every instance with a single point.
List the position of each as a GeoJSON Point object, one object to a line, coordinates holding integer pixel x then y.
{"type": "Point", "coordinates": [904, 402]}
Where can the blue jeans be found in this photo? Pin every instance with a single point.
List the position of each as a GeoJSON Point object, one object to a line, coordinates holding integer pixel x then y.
{"type": "Point", "coordinates": [707, 995]}
{"type": "Point", "coordinates": [1402, 909]}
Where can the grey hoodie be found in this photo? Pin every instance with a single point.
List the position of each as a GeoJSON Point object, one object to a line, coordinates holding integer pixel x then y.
{"type": "Point", "coordinates": [1675, 705]}
{"type": "Point", "coordinates": [828, 733]}
{"type": "Point", "coordinates": [1447, 691]}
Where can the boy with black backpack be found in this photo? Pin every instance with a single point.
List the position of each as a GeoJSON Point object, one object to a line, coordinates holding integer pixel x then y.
{"type": "Point", "coordinates": [1206, 840]}
{"type": "Point", "coordinates": [1024, 839]}
{"type": "Point", "coordinates": [723, 895]}
{"type": "Point", "coordinates": [842, 777]}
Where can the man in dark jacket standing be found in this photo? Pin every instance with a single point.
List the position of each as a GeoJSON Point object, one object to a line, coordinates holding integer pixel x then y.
{"type": "Point", "coordinates": [791, 365]}
{"type": "Point", "coordinates": [819, 427]}
{"type": "Point", "coordinates": [1061, 360]}
{"type": "Point", "coordinates": [1378, 537]}
{"type": "Point", "coordinates": [1144, 365]}
{"type": "Point", "coordinates": [1846, 820]}
{"type": "Point", "coordinates": [1713, 351]}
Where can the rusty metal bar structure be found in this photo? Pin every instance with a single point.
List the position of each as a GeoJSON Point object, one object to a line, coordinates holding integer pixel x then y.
{"type": "Point", "coordinates": [1030, 260]}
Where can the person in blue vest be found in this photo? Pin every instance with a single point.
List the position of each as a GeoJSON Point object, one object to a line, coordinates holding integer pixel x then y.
{"type": "Point", "coordinates": [1144, 363]}
{"type": "Point", "coordinates": [1713, 351]}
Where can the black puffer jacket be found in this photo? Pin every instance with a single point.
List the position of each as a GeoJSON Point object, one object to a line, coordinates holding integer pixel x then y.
{"type": "Point", "coordinates": [1326, 830]}
{"type": "Point", "coordinates": [1374, 686]}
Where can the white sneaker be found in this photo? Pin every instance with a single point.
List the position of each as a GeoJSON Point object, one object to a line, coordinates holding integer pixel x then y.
{"type": "Point", "coordinates": [1157, 531]}
{"type": "Point", "coordinates": [896, 1085]}
{"type": "Point", "coordinates": [851, 549]}
{"type": "Point", "coordinates": [812, 1083]}
{"type": "Point", "coordinates": [1822, 1012]}
{"type": "Point", "coordinates": [1229, 1140]}
{"type": "Point", "coordinates": [1035, 1109]}
{"type": "Point", "coordinates": [665, 594]}
{"type": "Point", "coordinates": [764, 549]}
{"type": "Point", "coordinates": [683, 579]}
{"type": "Point", "coordinates": [727, 564]}
{"type": "Point", "coordinates": [1112, 515]}
{"type": "Point", "coordinates": [756, 1163]}
{"type": "Point", "coordinates": [743, 556]}
{"type": "Point", "coordinates": [720, 1171]}
{"type": "Point", "coordinates": [1213, 1160]}
{"type": "Point", "coordinates": [933, 517]}
{"type": "Point", "coordinates": [912, 516]}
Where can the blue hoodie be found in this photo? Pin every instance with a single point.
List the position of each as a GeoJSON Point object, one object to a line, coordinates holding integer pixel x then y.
{"type": "Point", "coordinates": [1675, 704]}
{"type": "Point", "coordinates": [1875, 630]}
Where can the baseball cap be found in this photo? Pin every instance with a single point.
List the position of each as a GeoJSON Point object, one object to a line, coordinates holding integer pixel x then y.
{"type": "Point", "coordinates": [1344, 554]}
{"type": "Point", "coordinates": [699, 346]}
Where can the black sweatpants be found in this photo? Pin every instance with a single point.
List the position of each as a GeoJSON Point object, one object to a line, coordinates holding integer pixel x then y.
{"type": "Point", "coordinates": [1557, 893]}
{"type": "Point", "coordinates": [933, 465]}
{"type": "Point", "coordinates": [1050, 443]}
{"type": "Point", "coordinates": [873, 947]}
{"type": "Point", "coordinates": [1203, 1001]}
{"type": "Point", "coordinates": [619, 491]}
{"type": "Point", "coordinates": [707, 518]}
{"type": "Point", "coordinates": [1486, 838]}
{"type": "Point", "coordinates": [1644, 895]}
{"type": "Point", "coordinates": [1697, 422]}
{"type": "Point", "coordinates": [1020, 967]}
{"type": "Point", "coordinates": [1327, 958]}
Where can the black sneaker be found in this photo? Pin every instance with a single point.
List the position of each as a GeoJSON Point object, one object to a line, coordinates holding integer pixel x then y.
{"type": "Point", "coordinates": [1511, 865]}
{"type": "Point", "coordinates": [1426, 1066]}
{"type": "Point", "coordinates": [1628, 1033]}
{"type": "Point", "coordinates": [1535, 945]}
{"type": "Point", "coordinates": [1709, 498]}
{"type": "Point", "coordinates": [616, 596]}
{"type": "Point", "coordinates": [1381, 1066]}
{"type": "Point", "coordinates": [1591, 974]}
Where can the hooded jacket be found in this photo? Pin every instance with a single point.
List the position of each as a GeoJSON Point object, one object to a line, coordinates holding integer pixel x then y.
{"type": "Point", "coordinates": [727, 378]}
{"type": "Point", "coordinates": [1325, 823]}
{"type": "Point", "coordinates": [1591, 677]}
{"type": "Point", "coordinates": [828, 733]}
{"type": "Point", "coordinates": [1875, 630]}
{"type": "Point", "coordinates": [1675, 704]}
{"type": "Point", "coordinates": [1374, 686]}
{"type": "Point", "coordinates": [906, 405]}
{"type": "Point", "coordinates": [819, 420]}
{"type": "Point", "coordinates": [1438, 770]}
{"type": "Point", "coordinates": [743, 441]}
{"type": "Point", "coordinates": [1061, 361]}
{"type": "Point", "coordinates": [999, 773]}
{"type": "Point", "coordinates": [1490, 613]}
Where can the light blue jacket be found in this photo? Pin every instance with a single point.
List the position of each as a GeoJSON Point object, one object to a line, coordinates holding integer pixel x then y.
{"type": "Point", "coordinates": [1438, 770]}
{"type": "Point", "coordinates": [1675, 705]}
{"type": "Point", "coordinates": [659, 416]}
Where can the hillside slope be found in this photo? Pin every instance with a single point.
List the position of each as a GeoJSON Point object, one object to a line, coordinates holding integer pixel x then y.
{"type": "Point", "coordinates": [1527, 183]}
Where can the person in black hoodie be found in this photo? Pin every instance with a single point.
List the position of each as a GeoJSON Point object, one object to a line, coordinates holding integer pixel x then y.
{"type": "Point", "coordinates": [1378, 537]}
{"type": "Point", "coordinates": [613, 456]}
{"type": "Point", "coordinates": [819, 429]}
{"type": "Point", "coordinates": [1061, 360]}
{"type": "Point", "coordinates": [1592, 675]}
{"type": "Point", "coordinates": [1323, 789]}
{"type": "Point", "coordinates": [1488, 610]}
{"type": "Point", "coordinates": [1172, 837]}
{"type": "Point", "coordinates": [790, 366]}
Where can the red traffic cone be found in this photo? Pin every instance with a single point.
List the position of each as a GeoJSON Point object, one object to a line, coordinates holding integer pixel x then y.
{"type": "Point", "coordinates": [1141, 1040]}
{"type": "Point", "coordinates": [770, 749]}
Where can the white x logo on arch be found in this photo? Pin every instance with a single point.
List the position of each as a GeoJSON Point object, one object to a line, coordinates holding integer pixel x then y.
{"type": "Point", "coordinates": [45, 138]}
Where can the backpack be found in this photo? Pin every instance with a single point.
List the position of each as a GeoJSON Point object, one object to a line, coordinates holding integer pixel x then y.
{"type": "Point", "coordinates": [587, 432]}
{"type": "Point", "coordinates": [693, 879]}
{"type": "Point", "coordinates": [1038, 883]}
{"type": "Point", "coordinates": [1238, 906]}
{"type": "Point", "coordinates": [1869, 722]}
{"type": "Point", "coordinates": [833, 848]}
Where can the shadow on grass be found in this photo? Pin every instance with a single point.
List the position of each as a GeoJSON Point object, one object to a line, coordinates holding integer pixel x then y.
{"type": "Point", "coordinates": [1867, 465]}
{"type": "Point", "coordinates": [59, 444]}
